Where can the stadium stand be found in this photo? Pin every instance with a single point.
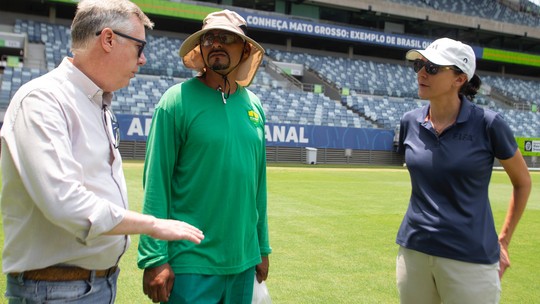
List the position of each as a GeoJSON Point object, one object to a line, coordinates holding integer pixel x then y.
{"type": "Point", "coordinates": [363, 76]}
{"type": "Point", "coordinates": [504, 12]}
{"type": "Point", "coordinates": [380, 92]}
{"type": "Point", "coordinates": [522, 91]}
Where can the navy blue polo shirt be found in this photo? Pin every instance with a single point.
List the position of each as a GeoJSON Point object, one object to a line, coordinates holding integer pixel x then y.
{"type": "Point", "coordinates": [449, 213]}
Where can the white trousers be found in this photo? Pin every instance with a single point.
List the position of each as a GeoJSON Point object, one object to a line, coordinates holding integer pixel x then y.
{"type": "Point", "coordinates": [427, 279]}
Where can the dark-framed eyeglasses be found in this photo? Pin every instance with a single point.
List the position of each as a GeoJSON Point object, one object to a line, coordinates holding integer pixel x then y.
{"type": "Point", "coordinates": [225, 38]}
{"type": "Point", "coordinates": [431, 68]}
{"type": "Point", "coordinates": [142, 42]}
{"type": "Point", "coordinates": [113, 128]}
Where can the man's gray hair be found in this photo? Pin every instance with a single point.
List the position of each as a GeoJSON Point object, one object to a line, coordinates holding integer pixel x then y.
{"type": "Point", "coordinates": [93, 16]}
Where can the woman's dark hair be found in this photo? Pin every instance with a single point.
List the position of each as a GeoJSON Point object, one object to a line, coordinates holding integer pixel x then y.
{"type": "Point", "coordinates": [470, 89]}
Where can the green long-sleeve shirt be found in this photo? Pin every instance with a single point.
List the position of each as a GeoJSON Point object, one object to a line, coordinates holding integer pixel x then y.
{"type": "Point", "coordinates": [206, 165]}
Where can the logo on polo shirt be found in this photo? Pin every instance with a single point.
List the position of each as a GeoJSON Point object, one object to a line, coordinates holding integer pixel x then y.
{"type": "Point", "coordinates": [254, 117]}
{"type": "Point", "coordinates": [462, 137]}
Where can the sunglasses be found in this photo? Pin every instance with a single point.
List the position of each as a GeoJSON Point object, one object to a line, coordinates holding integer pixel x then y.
{"type": "Point", "coordinates": [224, 38]}
{"type": "Point", "coordinates": [112, 123]}
{"type": "Point", "coordinates": [142, 42]}
{"type": "Point", "coordinates": [431, 68]}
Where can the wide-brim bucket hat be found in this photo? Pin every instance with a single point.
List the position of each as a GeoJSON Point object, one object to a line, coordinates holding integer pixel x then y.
{"type": "Point", "coordinates": [229, 21]}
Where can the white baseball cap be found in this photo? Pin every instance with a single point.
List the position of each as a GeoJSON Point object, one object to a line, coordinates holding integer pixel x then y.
{"type": "Point", "coordinates": [446, 51]}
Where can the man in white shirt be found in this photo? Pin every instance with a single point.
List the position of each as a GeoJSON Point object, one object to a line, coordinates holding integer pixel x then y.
{"type": "Point", "coordinates": [64, 198]}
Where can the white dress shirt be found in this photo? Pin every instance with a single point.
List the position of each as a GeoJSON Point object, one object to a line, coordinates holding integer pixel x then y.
{"type": "Point", "coordinates": [62, 179]}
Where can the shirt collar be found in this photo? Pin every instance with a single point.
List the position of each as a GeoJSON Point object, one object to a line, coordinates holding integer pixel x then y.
{"type": "Point", "coordinates": [85, 84]}
{"type": "Point", "coordinates": [465, 110]}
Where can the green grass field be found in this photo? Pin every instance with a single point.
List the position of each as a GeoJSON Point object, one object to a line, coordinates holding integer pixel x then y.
{"type": "Point", "coordinates": [332, 231]}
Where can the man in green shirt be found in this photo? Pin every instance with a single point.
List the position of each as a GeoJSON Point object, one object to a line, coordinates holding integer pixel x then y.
{"type": "Point", "coordinates": [206, 165]}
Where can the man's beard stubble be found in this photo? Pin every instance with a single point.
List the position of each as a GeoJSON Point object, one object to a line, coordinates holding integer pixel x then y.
{"type": "Point", "coordinates": [217, 65]}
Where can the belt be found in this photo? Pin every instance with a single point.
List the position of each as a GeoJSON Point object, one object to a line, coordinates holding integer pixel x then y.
{"type": "Point", "coordinates": [58, 273]}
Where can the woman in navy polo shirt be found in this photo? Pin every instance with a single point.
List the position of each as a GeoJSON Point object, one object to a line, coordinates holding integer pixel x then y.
{"type": "Point", "coordinates": [449, 249]}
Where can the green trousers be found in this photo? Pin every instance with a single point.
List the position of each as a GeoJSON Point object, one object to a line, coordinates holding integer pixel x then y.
{"type": "Point", "coordinates": [213, 289]}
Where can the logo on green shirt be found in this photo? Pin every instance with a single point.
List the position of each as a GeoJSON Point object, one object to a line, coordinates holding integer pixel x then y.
{"type": "Point", "coordinates": [254, 117]}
